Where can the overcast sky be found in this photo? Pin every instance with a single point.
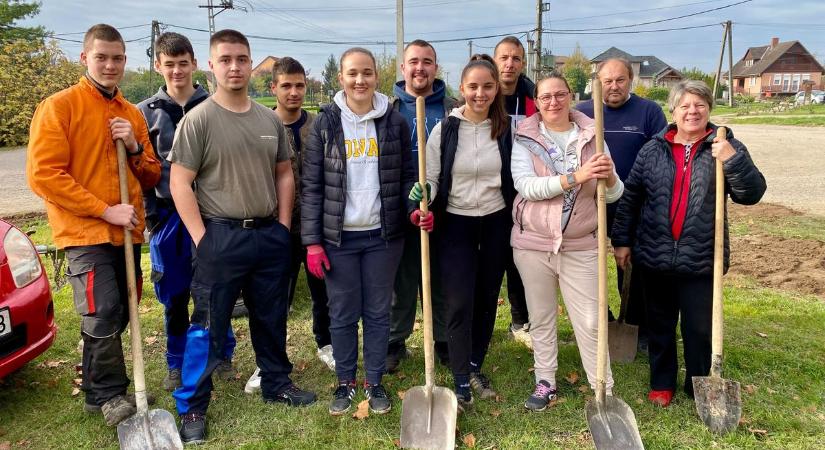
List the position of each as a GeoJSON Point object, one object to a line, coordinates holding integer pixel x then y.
{"type": "Point", "coordinates": [373, 21]}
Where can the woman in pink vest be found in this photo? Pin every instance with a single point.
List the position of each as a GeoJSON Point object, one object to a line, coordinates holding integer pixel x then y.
{"type": "Point", "coordinates": [555, 169]}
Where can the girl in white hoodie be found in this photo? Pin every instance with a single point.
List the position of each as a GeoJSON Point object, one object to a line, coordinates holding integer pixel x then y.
{"type": "Point", "coordinates": [357, 163]}
{"type": "Point", "coordinates": [468, 170]}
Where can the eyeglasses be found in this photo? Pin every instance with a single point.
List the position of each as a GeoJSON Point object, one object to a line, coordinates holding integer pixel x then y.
{"type": "Point", "coordinates": [547, 98]}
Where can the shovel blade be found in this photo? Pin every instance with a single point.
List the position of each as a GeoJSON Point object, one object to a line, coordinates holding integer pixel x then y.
{"type": "Point", "coordinates": [153, 429]}
{"type": "Point", "coordinates": [718, 403]}
{"type": "Point", "coordinates": [623, 340]}
{"type": "Point", "coordinates": [613, 425]}
{"type": "Point", "coordinates": [416, 416]}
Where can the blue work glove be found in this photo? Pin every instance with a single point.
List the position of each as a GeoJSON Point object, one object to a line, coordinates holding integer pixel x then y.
{"type": "Point", "coordinates": [417, 192]}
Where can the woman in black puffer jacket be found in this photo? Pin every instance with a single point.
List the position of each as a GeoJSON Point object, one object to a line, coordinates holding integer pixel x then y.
{"type": "Point", "coordinates": [666, 216]}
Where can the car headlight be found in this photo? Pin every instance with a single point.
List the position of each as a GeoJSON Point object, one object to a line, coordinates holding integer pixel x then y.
{"type": "Point", "coordinates": [22, 256]}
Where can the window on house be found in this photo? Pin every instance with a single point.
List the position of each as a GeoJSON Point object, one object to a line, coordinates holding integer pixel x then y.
{"type": "Point", "coordinates": [795, 82]}
{"type": "Point", "coordinates": [777, 79]}
{"type": "Point", "coordinates": [786, 82]}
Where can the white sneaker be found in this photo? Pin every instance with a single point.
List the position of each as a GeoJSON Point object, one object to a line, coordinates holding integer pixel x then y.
{"type": "Point", "coordinates": [325, 355]}
{"type": "Point", "coordinates": [522, 335]}
{"type": "Point", "coordinates": [253, 385]}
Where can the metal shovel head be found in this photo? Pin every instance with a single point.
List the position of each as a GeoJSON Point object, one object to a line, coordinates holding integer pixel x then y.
{"type": "Point", "coordinates": [718, 403]}
{"type": "Point", "coordinates": [622, 338]}
{"type": "Point", "coordinates": [612, 424]}
{"type": "Point", "coordinates": [417, 418]}
{"type": "Point", "coordinates": [153, 429]}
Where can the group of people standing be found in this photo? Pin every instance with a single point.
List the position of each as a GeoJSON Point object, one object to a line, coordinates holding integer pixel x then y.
{"type": "Point", "coordinates": [243, 195]}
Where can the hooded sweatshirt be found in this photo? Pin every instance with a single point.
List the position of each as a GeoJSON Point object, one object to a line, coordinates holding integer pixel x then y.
{"type": "Point", "coordinates": [520, 104]}
{"type": "Point", "coordinates": [363, 201]}
{"type": "Point", "coordinates": [436, 110]}
{"type": "Point", "coordinates": [162, 115]}
{"type": "Point", "coordinates": [476, 182]}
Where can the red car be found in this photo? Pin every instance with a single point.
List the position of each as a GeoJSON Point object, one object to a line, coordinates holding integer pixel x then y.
{"type": "Point", "coordinates": [27, 326]}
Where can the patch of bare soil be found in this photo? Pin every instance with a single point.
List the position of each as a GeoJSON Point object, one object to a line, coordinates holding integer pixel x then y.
{"type": "Point", "coordinates": [774, 261]}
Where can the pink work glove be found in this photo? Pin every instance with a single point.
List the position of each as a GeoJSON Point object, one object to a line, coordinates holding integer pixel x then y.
{"type": "Point", "coordinates": [317, 260]}
{"type": "Point", "coordinates": [427, 223]}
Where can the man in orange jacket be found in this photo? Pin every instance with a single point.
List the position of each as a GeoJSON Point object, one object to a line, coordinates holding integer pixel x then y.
{"type": "Point", "coordinates": [72, 164]}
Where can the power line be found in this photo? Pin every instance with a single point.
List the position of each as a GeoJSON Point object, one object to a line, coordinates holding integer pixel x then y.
{"type": "Point", "coordinates": [366, 8]}
{"type": "Point", "coordinates": [660, 30]}
{"type": "Point", "coordinates": [656, 21]}
{"type": "Point", "coordinates": [83, 32]}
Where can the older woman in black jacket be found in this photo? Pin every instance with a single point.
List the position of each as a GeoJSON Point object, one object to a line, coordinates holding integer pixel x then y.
{"type": "Point", "coordinates": [666, 217]}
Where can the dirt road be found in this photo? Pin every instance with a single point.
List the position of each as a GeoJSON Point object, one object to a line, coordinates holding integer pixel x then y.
{"type": "Point", "coordinates": [790, 157]}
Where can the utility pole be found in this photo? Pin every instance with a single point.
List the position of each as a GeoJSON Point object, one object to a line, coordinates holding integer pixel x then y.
{"type": "Point", "coordinates": [538, 65]}
{"type": "Point", "coordinates": [470, 44]}
{"type": "Point", "coordinates": [399, 38]}
{"type": "Point", "coordinates": [718, 77]}
{"type": "Point", "coordinates": [150, 52]}
{"type": "Point", "coordinates": [730, 62]}
{"type": "Point", "coordinates": [210, 9]}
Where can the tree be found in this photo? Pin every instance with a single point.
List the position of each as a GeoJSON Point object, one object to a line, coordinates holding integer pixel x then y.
{"type": "Point", "coordinates": [13, 10]}
{"type": "Point", "coordinates": [30, 71]}
{"type": "Point", "coordinates": [330, 75]}
{"type": "Point", "coordinates": [386, 74]}
{"type": "Point", "coordinates": [577, 70]}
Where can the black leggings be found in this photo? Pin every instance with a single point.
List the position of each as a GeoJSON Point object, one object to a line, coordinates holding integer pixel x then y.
{"type": "Point", "coordinates": [668, 298]}
{"type": "Point", "coordinates": [473, 253]}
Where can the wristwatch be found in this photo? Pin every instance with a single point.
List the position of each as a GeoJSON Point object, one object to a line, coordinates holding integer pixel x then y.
{"type": "Point", "coordinates": [136, 152]}
{"type": "Point", "coordinates": [571, 180]}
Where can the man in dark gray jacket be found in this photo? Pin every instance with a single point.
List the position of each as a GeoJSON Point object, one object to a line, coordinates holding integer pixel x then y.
{"type": "Point", "coordinates": [419, 69]}
{"type": "Point", "coordinates": [171, 261]}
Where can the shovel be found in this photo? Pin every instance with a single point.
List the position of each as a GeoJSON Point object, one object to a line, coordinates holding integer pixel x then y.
{"type": "Point", "coordinates": [623, 337]}
{"type": "Point", "coordinates": [153, 429]}
{"type": "Point", "coordinates": [611, 422]}
{"type": "Point", "coordinates": [718, 401]}
{"type": "Point", "coordinates": [428, 413]}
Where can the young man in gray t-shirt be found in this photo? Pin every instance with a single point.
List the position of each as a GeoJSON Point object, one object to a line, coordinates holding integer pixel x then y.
{"type": "Point", "coordinates": [236, 152]}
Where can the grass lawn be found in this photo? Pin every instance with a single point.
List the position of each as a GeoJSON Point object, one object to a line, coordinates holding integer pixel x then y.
{"type": "Point", "coordinates": [774, 347]}
{"type": "Point", "coordinates": [270, 101]}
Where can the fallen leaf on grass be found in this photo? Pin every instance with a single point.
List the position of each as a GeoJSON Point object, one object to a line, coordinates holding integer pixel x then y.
{"type": "Point", "coordinates": [495, 413]}
{"type": "Point", "coordinates": [572, 377]}
{"type": "Point", "coordinates": [500, 301]}
{"type": "Point", "coordinates": [469, 440]}
{"type": "Point", "coordinates": [401, 394]}
{"type": "Point", "coordinates": [52, 364]}
{"type": "Point", "coordinates": [762, 335]}
{"type": "Point", "coordinates": [149, 340]}
{"type": "Point", "coordinates": [759, 433]}
{"type": "Point", "coordinates": [750, 389]}
{"type": "Point", "coordinates": [796, 398]}
{"type": "Point", "coordinates": [416, 326]}
{"type": "Point", "coordinates": [363, 410]}
{"type": "Point", "coordinates": [301, 366]}
{"type": "Point", "coordinates": [5, 445]}
{"type": "Point", "coordinates": [396, 443]}
{"type": "Point", "coordinates": [531, 369]}
{"type": "Point", "coordinates": [744, 421]}
{"type": "Point", "coordinates": [23, 443]}
{"type": "Point", "coordinates": [400, 375]}
{"type": "Point", "coordinates": [494, 369]}
{"type": "Point", "coordinates": [809, 409]}
{"type": "Point", "coordinates": [52, 383]}
{"type": "Point", "coordinates": [584, 389]}
{"type": "Point", "coordinates": [75, 392]}
{"type": "Point", "coordinates": [144, 309]}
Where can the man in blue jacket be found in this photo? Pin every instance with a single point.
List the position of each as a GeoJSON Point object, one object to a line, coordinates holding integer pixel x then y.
{"type": "Point", "coordinates": [419, 68]}
{"type": "Point", "coordinates": [629, 122]}
{"type": "Point", "coordinates": [169, 244]}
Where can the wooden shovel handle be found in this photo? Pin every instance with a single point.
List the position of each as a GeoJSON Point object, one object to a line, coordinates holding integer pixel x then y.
{"type": "Point", "coordinates": [426, 298]}
{"type": "Point", "coordinates": [131, 285]}
{"type": "Point", "coordinates": [718, 266]}
{"type": "Point", "coordinates": [601, 187]}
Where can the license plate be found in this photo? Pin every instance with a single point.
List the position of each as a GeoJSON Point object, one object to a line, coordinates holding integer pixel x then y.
{"type": "Point", "coordinates": [5, 322]}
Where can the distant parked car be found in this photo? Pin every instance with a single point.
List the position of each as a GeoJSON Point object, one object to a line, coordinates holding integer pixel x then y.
{"type": "Point", "coordinates": [817, 97]}
{"type": "Point", "coordinates": [27, 326]}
